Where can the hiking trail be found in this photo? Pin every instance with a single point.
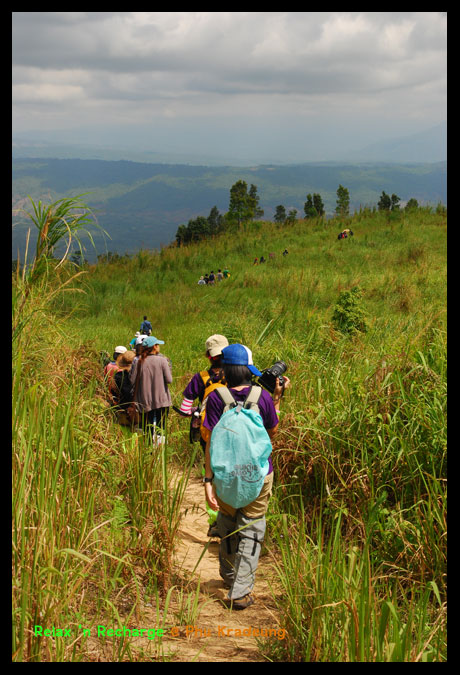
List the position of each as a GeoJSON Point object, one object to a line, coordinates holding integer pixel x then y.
{"type": "Point", "coordinates": [207, 643]}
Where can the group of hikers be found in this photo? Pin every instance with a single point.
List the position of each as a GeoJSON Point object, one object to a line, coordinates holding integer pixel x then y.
{"type": "Point", "coordinates": [238, 469]}
{"type": "Point", "coordinates": [262, 259]}
{"type": "Point", "coordinates": [211, 278]}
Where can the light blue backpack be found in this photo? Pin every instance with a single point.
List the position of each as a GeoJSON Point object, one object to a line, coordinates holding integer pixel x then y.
{"type": "Point", "coordinates": [240, 448]}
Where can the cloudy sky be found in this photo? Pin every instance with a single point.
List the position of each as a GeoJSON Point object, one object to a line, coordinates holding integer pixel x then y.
{"type": "Point", "coordinates": [249, 85]}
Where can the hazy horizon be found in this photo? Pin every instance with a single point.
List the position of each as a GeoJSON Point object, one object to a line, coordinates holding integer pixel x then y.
{"type": "Point", "coordinates": [246, 86]}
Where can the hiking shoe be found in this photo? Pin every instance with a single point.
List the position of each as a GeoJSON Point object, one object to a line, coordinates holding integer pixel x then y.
{"type": "Point", "coordinates": [239, 603]}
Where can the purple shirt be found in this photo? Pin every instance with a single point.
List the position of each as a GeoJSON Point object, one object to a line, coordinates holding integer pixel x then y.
{"type": "Point", "coordinates": [215, 407]}
{"type": "Point", "coordinates": [195, 388]}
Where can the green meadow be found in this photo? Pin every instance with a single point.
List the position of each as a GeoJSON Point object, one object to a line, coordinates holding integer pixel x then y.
{"type": "Point", "coordinates": [357, 523]}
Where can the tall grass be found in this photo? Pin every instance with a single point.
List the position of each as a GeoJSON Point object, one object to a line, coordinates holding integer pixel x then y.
{"type": "Point", "coordinates": [357, 523]}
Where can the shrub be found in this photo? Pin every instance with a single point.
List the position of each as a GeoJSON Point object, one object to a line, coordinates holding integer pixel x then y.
{"type": "Point", "coordinates": [349, 316]}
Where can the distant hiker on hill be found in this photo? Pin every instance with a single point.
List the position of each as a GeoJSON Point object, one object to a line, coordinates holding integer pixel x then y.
{"type": "Point", "coordinates": [212, 278]}
{"type": "Point", "coordinates": [262, 259]}
{"type": "Point", "coordinates": [146, 327]}
{"type": "Point", "coordinates": [206, 279]}
{"type": "Point", "coordinates": [201, 281]}
{"type": "Point", "coordinates": [150, 376]}
{"type": "Point", "coordinates": [285, 252]}
{"type": "Point", "coordinates": [242, 528]}
{"type": "Point", "coordinates": [256, 261]}
{"type": "Point", "coordinates": [220, 276]}
{"type": "Point", "coordinates": [345, 233]}
{"type": "Point", "coordinates": [226, 273]}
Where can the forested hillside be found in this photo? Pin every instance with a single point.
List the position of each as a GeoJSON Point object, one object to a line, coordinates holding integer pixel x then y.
{"type": "Point", "coordinates": [141, 205]}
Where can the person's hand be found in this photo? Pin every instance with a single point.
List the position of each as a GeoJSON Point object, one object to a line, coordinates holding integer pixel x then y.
{"type": "Point", "coordinates": [210, 494]}
{"type": "Point", "coordinates": [279, 389]}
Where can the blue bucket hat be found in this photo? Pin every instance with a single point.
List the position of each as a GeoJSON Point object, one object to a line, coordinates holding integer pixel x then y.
{"type": "Point", "coordinates": [239, 355]}
{"type": "Point", "coordinates": [150, 341]}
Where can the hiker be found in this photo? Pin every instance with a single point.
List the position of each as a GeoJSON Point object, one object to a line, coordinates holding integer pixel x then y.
{"type": "Point", "coordinates": [262, 259]}
{"type": "Point", "coordinates": [256, 261]}
{"type": "Point", "coordinates": [212, 278]}
{"type": "Point", "coordinates": [122, 388]}
{"type": "Point", "coordinates": [206, 279]}
{"type": "Point", "coordinates": [285, 252]}
{"type": "Point", "coordinates": [201, 281]}
{"type": "Point", "coordinates": [150, 375]}
{"type": "Point", "coordinates": [226, 273]}
{"type": "Point", "coordinates": [220, 276]}
{"type": "Point", "coordinates": [197, 386]}
{"type": "Point", "coordinates": [132, 343]}
{"type": "Point", "coordinates": [112, 367]}
{"type": "Point", "coordinates": [242, 529]}
{"type": "Point", "coordinates": [146, 327]}
{"type": "Point", "coordinates": [138, 345]}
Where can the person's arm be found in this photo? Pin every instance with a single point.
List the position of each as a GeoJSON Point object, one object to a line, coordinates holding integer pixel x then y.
{"type": "Point", "coordinates": [277, 394]}
{"type": "Point", "coordinates": [209, 487]}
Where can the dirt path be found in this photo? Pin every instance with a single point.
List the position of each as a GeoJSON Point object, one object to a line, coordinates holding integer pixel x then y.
{"type": "Point", "coordinates": [218, 634]}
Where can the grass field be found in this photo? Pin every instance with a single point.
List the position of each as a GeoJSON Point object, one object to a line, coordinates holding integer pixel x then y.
{"type": "Point", "coordinates": [357, 523]}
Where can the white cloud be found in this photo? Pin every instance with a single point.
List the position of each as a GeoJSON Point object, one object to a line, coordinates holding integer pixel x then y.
{"type": "Point", "coordinates": [286, 67]}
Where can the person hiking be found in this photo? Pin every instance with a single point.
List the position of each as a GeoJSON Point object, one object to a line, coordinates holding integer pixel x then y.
{"type": "Point", "coordinates": [226, 273]}
{"type": "Point", "coordinates": [150, 376]}
{"type": "Point", "coordinates": [122, 388]}
{"type": "Point", "coordinates": [197, 388]}
{"type": "Point", "coordinates": [132, 343]}
{"type": "Point", "coordinates": [242, 529]}
{"type": "Point", "coordinates": [112, 367]}
{"type": "Point", "coordinates": [212, 278]}
{"type": "Point", "coordinates": [146, 327]}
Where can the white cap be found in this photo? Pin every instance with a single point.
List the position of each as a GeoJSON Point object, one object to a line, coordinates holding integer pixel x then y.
{"type": "Point", "coordinates": [120, 349]}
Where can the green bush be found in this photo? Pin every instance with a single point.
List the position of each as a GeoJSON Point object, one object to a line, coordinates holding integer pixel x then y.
{"type": "Point", "coordinates": [349, 316]}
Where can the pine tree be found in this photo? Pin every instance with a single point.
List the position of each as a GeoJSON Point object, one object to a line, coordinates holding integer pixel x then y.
{"type": "Point", "coordinates": [318, 204]}
{"type": "Point", "coordinates": [343, 201]}
{"type": "Point", "coordinates": [309, 209]}
{"type": "Point", "coordinates": [280, 214]}
{"type": "Point", "coordinates": [253, 202]}
{"type": "Point", "coordinates": [241, 205]}
{"type": "Point", "coordinates": [384, 203]}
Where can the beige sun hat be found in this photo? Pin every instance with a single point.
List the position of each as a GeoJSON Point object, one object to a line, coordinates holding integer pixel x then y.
{"type": "Point", "coordinates": [215, 344]}
{"type": "Point", "coordinates": [125, 360]}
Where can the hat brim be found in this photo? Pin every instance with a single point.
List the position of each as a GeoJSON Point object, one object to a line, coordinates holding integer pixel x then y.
{"type": "Point", "coordinates": [254, 371]}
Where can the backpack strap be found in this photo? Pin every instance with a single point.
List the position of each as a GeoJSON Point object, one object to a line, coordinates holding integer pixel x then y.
{"type": "Point", "coordinates": [227, 398]}
{"type": "Point", "coordinates": [252, 399]}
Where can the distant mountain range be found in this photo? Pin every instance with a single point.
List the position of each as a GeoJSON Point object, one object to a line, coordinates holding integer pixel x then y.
{"type": "Point", "coordinates": [142, 205]}
{"type": "Point", "coordinates": [426, 146]}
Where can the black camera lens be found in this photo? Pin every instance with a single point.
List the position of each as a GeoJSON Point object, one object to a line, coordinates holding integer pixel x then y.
{"type": "Point", "coordinates": [268, 378]}
{"type": "Point", "coordinates": [278, 368]}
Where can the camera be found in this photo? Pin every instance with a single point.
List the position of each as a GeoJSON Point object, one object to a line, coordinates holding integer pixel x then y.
{"type": "Point", "coordinates": [268, 378]}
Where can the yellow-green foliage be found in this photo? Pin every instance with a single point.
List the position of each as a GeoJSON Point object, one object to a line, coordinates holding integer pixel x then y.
{"type": "Point", "coordinates": [357, 521]}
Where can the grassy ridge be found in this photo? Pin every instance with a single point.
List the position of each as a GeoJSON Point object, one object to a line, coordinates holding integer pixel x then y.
{"type": "Point", "coordinates": [357, 522]}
